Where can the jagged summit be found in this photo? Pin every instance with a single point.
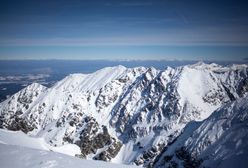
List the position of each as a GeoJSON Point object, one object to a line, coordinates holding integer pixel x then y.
{"type": "Point", "coordinates": [123, 115]}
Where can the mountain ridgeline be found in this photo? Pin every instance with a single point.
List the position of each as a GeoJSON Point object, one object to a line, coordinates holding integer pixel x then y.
{"type": "Point", "coordinates": [189, 116]}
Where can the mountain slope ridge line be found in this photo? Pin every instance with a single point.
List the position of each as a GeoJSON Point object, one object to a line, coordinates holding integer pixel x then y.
{"type": "Point", "coordinates": [123, 115]}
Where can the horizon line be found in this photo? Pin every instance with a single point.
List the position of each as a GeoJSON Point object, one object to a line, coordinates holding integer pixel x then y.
{"type": "Point", "coordinates": [127, 60]}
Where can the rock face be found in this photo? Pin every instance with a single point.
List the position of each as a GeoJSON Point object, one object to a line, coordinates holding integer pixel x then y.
{"type": "Point", "coordinates": [17, 106]}
{"type": "Point", "coordinates": [124, 115]}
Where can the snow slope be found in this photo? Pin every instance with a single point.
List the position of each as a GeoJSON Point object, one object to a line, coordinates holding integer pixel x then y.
{"type": "Point", "coordinates": [223, 137]}
{"type": "Point", "coordinates": [22, 157]}
{"type": "Point", "coordinates": [18, 138]}
{"type": "Point", "coordinates": [220, 141]}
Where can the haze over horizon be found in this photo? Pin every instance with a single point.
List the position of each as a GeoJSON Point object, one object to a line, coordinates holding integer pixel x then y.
{"type": "Point", "coordinates": [124, 30]}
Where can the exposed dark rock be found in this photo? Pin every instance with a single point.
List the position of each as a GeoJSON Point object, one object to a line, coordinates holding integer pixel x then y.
{"type": "Point", "coordinates": [94, 137]}
{"type": "Point", "coordinates": [189, 161]}
{"type": "Point", "coordinates": [111, 152]}
{"type": "Point", "coordinates": [21, 124]}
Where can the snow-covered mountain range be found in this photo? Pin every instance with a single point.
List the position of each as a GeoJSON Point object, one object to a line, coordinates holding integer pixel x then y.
{"type": "Point", "coordinates": [192, 115]}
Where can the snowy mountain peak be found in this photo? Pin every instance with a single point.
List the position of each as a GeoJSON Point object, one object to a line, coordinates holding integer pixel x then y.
{"type": "Point", "coordinates": [204, 66]}
{"type": "Point", "coordinates": [90, 82]}
{"type": "Point", "coordinates": [239, 66]}
{"type": "Point", "coordinates": [35, 86]}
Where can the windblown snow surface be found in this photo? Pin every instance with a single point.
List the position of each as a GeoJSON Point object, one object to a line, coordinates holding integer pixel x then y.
{"type": "Point", "coordinates": [188, 116]}
{"type": "Point", "coordinates": [18, 138]}
{"type": "Point", "coordinates": [22, 157]}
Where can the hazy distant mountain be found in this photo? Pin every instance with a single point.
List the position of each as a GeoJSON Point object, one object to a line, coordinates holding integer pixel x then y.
{"type": "Point", "coordinates": [141, 116]}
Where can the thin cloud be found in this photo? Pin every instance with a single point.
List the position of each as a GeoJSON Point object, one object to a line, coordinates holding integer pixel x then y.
{"type": "Point", "coordinates": [208, 36]}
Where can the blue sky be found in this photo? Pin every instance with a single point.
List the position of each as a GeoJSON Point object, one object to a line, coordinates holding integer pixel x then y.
{"type": "Point", "coordinates": [117, 29]}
